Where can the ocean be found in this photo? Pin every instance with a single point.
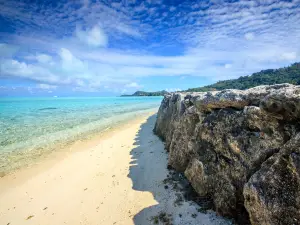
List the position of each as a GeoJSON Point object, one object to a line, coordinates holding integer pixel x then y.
{"type": "Point", "coordinates": [31, 127]}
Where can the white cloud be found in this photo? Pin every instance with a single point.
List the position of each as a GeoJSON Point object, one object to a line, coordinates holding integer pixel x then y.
{"type": "Point", "coordinates": [46, 86]}
{"type": "Point", "coordinates": [128, 30]}
{"type": "Point", "coordinates": [43, 58]}
{"type": "Point", "coordinates": [69, 62]}
{"type": "Point", "coordinates": [94, 37]}
{"type": "Point", "coordinates": [289, 56]}
{"type": "Point", "coordinates": [98, 69]}
{"type": "Point", "coordinates": [249, 36]}
{"type": "Point", "coordinates": [227, 66]}
{"type": "Point", "coordinates": [66, 55]}
{"type": "Point", "coordinates": [133, 85]}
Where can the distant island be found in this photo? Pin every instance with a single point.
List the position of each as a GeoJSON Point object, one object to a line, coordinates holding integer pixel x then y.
{"type": "Point", "coordinates": [144, 93]}
{"type": "Point", "coordinates": [290, 74]}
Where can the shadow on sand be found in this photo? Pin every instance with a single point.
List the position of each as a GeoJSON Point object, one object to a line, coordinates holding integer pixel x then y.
{"type": "Point", "coordinates": [148, 170]}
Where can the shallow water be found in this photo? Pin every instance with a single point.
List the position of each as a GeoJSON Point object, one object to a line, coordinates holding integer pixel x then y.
{"type": "Point", "coordinates": [31, 126]}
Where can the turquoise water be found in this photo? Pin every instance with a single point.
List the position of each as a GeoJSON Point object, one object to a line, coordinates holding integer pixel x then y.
{"type": "Point", "coordinates": [30, 126]}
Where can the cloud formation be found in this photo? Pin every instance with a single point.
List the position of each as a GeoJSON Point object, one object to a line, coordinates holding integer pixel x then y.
{"type": "Point", "coordinates": [94, 37]}
{"type": "Point", "coordinates": [46, 86]}
{"type": "Point", "coordinates": [92, 45]}
{"type": "Point", "coordinates": [133, 85]}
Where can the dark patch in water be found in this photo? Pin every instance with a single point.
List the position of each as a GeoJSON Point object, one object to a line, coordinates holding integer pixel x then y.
{"type": "Point", "coordinates": [49, 108]}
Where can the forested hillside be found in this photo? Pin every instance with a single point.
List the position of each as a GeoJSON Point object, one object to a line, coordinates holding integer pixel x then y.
{"type": "Point", "coordinates": [289, 74]}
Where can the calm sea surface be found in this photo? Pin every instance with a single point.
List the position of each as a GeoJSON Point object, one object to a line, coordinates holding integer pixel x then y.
{"type": "Point", "coordinates": [31, 126]}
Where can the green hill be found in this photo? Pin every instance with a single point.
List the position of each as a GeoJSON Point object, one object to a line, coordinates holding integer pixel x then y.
{"type": "Point", "coordinates": [289, 74]}
{"type": "Point", "coordinates": [144, 93]}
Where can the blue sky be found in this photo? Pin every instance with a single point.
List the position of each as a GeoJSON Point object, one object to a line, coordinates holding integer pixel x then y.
{"type": "Point", "coordinates": [112, 47]}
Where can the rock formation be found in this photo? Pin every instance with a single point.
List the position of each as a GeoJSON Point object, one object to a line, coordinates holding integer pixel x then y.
{"type": "Point", "coordinates": [240, 148]}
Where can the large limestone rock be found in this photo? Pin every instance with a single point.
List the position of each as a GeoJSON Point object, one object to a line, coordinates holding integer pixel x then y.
{"type": "Point", "coordinates": [272, 195]}
{"type": "Point", "coordinates": [221, 139]}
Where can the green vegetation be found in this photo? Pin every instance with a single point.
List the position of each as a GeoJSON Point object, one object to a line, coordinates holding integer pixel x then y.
{"type": "Point", "coordinates": [165, 219]}
{"type": "Point", "coordinates": [144, 93]}
{"type": "Point", "coordinates": [289, 74]}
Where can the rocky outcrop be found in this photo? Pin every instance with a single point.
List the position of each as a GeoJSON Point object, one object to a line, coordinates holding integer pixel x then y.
{"type": "Point", "coordinates": [272, 194]}
{"type": "Point", "coordinates": [241, 148]}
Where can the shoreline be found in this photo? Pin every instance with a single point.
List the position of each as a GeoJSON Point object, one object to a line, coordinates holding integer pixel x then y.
{"type": "Point", "coordinates": [21, 159]}
{"type": "Point", "coordinates": [116, 179]}
{"type": "Point", "coordinates": [50, 158]}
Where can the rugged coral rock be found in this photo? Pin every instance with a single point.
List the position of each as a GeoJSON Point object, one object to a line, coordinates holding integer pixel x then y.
{"type": "Point", "coordinates": [241, 148]}
{"type": "Point", "coordinates": [272, 194]}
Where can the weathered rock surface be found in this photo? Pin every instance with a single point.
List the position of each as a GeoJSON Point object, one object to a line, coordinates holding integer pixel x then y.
{"type": "Point", "coordinates": [235, 146]}
{"type": "Point", "coordinates": [272, 195]}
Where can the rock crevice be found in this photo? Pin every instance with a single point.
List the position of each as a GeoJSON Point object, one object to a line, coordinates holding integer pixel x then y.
{"type": "Point", "coordinates": [229, 143]}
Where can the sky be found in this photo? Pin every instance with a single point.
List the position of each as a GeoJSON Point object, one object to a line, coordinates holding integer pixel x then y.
{"type": "Point", "coordinates": [95, 48]}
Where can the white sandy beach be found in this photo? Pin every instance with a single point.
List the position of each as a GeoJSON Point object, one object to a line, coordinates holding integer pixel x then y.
{"type": "Point", "coordinates": [114, 179]}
